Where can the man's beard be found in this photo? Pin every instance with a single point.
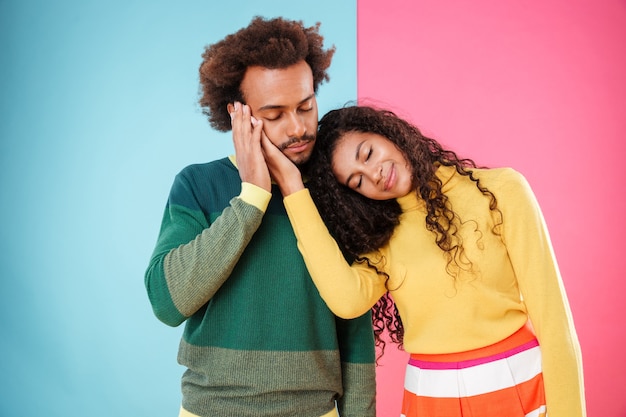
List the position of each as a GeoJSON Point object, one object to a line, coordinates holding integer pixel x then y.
{"type": "Point", "coordinates": [303, 138]}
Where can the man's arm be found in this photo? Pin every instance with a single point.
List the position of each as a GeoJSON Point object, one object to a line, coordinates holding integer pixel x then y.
{"type": "Point", "coordinates": [356, 345]}
{"type": "Point", "coordinates": [192, 259]}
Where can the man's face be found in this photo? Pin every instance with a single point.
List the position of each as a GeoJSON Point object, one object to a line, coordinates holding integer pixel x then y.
{"type": "Point", "coordinates": [284, 99]}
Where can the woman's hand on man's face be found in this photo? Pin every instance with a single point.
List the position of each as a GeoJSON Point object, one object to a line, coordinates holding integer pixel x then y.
{"type": "Point", "coordinates": [282, 169]}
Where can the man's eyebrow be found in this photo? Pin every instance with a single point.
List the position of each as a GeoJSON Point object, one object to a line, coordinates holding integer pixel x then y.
{"type": "Point", "coordinates": [278, 106]}
{"type": "Point", "coordinates": [356, 158]}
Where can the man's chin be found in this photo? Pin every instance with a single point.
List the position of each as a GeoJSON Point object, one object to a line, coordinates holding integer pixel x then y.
{"type": "Point", "coordinates": [300, 158]}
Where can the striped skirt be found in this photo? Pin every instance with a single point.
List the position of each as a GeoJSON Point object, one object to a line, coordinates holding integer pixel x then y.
{"type": "Point", "coordinates": [504, 379]}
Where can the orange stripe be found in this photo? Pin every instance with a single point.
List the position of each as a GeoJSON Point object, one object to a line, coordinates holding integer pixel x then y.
{"type": "Point", "coordinates": [502, 402]}
{"type": "Point", "coordinates": [523, 335]}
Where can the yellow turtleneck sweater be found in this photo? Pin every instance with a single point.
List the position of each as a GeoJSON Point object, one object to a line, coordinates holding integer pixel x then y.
{"type": "Point", "coordinates": [504, 280]}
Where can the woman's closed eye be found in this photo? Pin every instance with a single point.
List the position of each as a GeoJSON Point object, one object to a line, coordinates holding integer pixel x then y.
{"type": "Point", "coordinates": [367, 154]}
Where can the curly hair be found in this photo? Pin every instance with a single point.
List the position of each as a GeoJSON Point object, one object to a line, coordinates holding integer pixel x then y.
{"type": "Point", "coordinates": [361, 225]}
{"type": "Point", "coordinates": [275, 44]}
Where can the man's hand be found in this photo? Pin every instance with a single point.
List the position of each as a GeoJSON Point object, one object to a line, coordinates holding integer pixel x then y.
{"type": "Point", "coordinates": [247, 140]}
{"type": "Point", "coordinates": [283, 171]}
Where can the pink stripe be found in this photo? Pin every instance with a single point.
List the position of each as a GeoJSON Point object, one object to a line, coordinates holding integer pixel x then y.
{"type": "Point", "coordinates": [473, 362]}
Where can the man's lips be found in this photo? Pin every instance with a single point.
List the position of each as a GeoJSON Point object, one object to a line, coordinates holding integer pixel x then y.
{"type": "Point", "coordinates": [298, 146]}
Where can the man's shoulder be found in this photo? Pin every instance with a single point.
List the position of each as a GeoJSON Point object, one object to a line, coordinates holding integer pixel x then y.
{"type": "Point", "coordinates": [208, 183]}
{"type": "Point", "coordinates": [217, 173]}
{"type": "Point", "coordinates": [223, 165]}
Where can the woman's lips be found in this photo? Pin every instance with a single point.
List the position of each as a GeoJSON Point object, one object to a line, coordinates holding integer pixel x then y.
{"type": "Point", "coordinates": [391, 178]}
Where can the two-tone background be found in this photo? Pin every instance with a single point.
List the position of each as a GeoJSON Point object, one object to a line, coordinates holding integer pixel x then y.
{"type": "Point", "coordinates": [98, 113]}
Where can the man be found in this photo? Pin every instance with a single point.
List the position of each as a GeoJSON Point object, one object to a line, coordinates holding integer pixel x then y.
{"type": "Point", "coordinates": [258, 339]}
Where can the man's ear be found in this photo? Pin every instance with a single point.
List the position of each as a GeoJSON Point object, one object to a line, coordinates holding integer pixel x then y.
{"type": "Point", "coordinates": [230, 107]}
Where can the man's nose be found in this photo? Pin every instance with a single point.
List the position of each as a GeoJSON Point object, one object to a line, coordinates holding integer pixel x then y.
{"type": "Point", "coordinates": [296, 128]}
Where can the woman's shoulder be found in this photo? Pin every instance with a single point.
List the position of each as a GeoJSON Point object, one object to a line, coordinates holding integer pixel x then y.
{"type": "Point", "coordinates": [499, 177]}
{"type": "Point", "coordinates": [508, 185]}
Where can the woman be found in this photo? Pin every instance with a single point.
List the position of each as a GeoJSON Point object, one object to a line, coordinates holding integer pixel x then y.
{"type": "Point", "coordinates": [462, 252]}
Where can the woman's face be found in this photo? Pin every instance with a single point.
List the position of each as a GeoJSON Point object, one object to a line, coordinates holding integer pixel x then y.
{"type": "Point", "coordinates": [371, 165]}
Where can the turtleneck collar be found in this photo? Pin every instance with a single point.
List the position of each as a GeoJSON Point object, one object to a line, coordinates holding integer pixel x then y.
{"type": "Point", "coordinates": [412, 201]}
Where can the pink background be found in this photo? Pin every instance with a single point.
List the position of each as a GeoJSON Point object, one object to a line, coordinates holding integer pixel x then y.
{"type": "Point", "coordinates": [539, 86]}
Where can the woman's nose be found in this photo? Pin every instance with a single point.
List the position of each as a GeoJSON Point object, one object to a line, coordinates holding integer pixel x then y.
{"type": "Point", "coordinates": [378, 173]}
{"type": "Point", "coordinates": [375, 173]}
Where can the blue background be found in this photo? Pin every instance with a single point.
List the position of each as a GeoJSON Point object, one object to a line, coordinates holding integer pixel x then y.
{"type": "Point", "coordinates": [98, 113]}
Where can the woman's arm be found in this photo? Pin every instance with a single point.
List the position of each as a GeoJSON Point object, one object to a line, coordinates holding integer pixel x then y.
{"type": "Point", "coordinates": [348, 290]}
{"type": "Point", "coordinates": [530, 249]}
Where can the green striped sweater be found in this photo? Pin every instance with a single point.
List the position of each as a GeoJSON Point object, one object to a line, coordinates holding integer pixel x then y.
{"type": "Point", "coordinates": [258, 339]}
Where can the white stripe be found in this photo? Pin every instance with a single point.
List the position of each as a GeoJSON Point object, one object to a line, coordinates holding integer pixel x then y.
{"type": "Point", "coordinates": [541, 411]}
{"type": "Point", "coordinates": [476, 380]}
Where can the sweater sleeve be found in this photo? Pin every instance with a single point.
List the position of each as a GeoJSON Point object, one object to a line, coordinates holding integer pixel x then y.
{"type": "Point", "coordinates": [193, 258]}
{"type": "Point", "coordinates": [528, 244]}
{"type": "Point", "coordinates": [348, 290]}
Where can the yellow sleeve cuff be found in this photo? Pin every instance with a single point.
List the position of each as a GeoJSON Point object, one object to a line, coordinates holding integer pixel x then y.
{"type": "Point", "coordinates": [255, 195]}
